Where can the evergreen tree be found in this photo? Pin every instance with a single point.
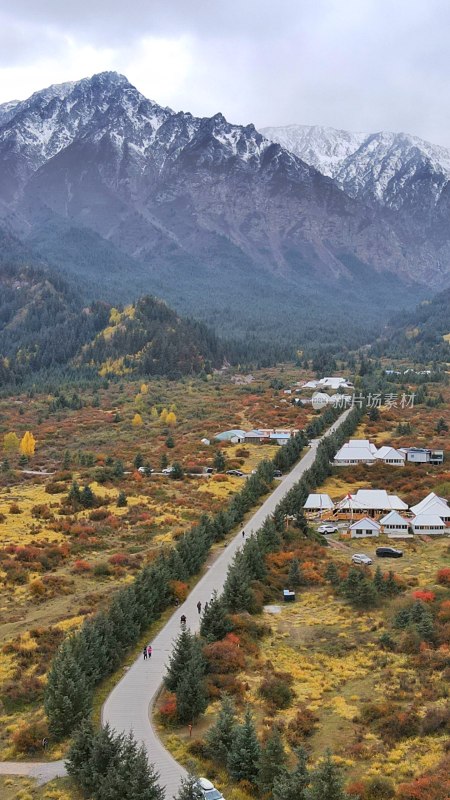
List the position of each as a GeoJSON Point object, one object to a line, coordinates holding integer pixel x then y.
{"type": "Point", "coordinates": [189, 789]}
{"type": "Point", "coordinates": [67, 699]}
{"type": "Point", "coordinates": [67, 460]}
{"type": "Point", "coordinates": [253, 560]}
{"type": "Point", "coordinates": [295, 577]}
{"type": "Point", "coordinates": [138, 461]}
{"type": "Point", "coordinates": [219, 738]}
{"type": "Point", "coordinates": [326, 782]}
{"type": "Point", "coordinates": [122, 500]}
{"type": "Point", "coordinates": [178, 660]}
{"type": "Point", "coordinates": [215, 622]}
{"type": "Point", "coordinates": [237, 594]}
{"type": "Point", "coordinates": [271, 762]}
{"type": "Point", "coordinates": [164, 462]}
{"type": "Point", "coordinates": [219, 461]}
{"type": "Point", "coordinates": [332, 574]}
{"type": "Point", "coordinates": [177, 471]}
{"type": "Point", "coordinates": [293, 785]}
{"type": "Point", "coordinates": [379, 582]}
{"type": "Point", "coordinates": [191, 691]}
{"type": "Point", "coordinates": [74, 494]}
{"type": "Point", "coordinates": [118, 468]}
{"type": "Point", "coordinates": [268, 537]}
{"type": "Point", "coordinates": [243, 761]}
{"type": "Point", "coordinates": [79, 757]}
{"type": "Point", "coordinates": [87, 497]}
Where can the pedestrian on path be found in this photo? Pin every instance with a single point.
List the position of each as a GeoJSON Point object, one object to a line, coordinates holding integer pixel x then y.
{"type": "Point", "coordinates": [183, 621]}
{"type": "Point", "coordinates": [190, 730]}
{"type": "Point", "coordinates": [145, 653]}
{"type": "Point", "coordinates": [44, 742]}
{"type": "Point", "coordinates": [243, 534]}
{"type": "Point", "coordinates": [205, 608]}
{"type": "Point", "coordinates": [149, 651]}
{"type": "Point", "coordinates": [199, 607]}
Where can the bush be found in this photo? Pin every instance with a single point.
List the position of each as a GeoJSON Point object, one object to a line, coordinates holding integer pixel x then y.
{"type": "Point", "coordinates": [443, 576]}
{"type": "Point", "coordinates": [276, 690]}
{"type": "Point", "coordinates": [380, 788]}
{"type": "Point", "coordinates": [98, 514]}
{"type": "Point", "coordinates": [168, 711]}
{"type": "Point", "coordinates": [102, 570]}
{"type": "Point", "coordinates": [81, 566]}
{"type": "Point", "coordinates": [28, 738]}
{"type": "Point", "coordinates": [302, 726]}
{"type": "Point", "coordinates": [14, 509]}
{"type": "Point", "coordinates": [436, 719]}
{"type": "Point", "coordinates": [225, 655]}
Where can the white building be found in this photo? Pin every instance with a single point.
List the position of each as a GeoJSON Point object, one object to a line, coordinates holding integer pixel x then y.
{"type": "Point", "coordinates": [372, 501]}
{"type": "Point", "coordinates": [434, 505]}
{"type": "Point", "coordinates": [316, 503]}
{"type": "Point", "coordinates": [356, 451]}
{"type": "Point", "coordinates": [423, 455]}
{"type": "Point", "coordinates": [394, 525]}
{"type": "Point", "coordinates": [428, 525]}
{"type": "Point", "coordinates": [364, 528]}
{"type": "Point", "coordinates": [389, 455]}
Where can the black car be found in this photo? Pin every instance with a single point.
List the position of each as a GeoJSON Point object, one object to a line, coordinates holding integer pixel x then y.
{"type": "Point", "coordinates": [277, 473]}
{"type": "Point", "coordinates": [388, 552]}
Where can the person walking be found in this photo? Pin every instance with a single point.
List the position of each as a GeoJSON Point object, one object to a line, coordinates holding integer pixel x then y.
{"type": "Point", "coordinates": [145, 653]}
{"type": "Point", "coordinates": [149, 651]}
{"type": "Point", "coordinates": [199, 607]}
{"type": "Point", "coordinates": [183, 621]}
{"type": "Point", "coordinates": [243, 534]}
{"type": "Point", "coordinates": [205, 608]}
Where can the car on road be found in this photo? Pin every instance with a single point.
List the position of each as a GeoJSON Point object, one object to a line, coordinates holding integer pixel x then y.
{"type": "Point", "coordinates": [145, 470]}
{"type": "Point", "coordinates": [388, 552]}
{"type": "Point", "coordinates": [361, 558]}
{"type": "Point", "coordinates": [236, 472]}
{"type": "Point", "coordinates": [327, 528]}
{"type": "Point", "coordinates": [208, 470]}
{"type": "Point", "coordinates": [167, 470]}
{"type": "Point", "coordinates": [277, 473]}
{"type": "Point", "coordinates": [208, 790]}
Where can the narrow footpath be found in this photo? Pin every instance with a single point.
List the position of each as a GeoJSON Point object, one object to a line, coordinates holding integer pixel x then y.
{"type": "Point", "coordinates": [128, 707]}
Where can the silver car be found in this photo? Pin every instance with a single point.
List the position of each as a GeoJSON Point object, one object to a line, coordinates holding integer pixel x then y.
{"type": "Point", "coordinates": [208, 790]}
{"type": "Point", "coordinates": [361, 558]}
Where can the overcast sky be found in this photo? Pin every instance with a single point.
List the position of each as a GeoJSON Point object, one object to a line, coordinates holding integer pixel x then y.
{"type": "Point", "coordinates": [365, 65]}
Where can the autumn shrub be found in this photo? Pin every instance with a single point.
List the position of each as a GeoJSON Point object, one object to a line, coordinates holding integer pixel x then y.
{"type": "Point", "coordinates": [443, 576]}
{"type": "Point", "coordinates": [41, 511]}
{"type": "Point", "coordinates": [436, 719]}
{"type": "Point", "coordinates": [220, 683]}
{"type": "Point", "coordinates": [54, 487]}
{"type": "Point", "coordinates": [37, 588]}
{"type": "Point", "coordinates": [424, 596]}
{"type": "Point", "coordinates": [179, 590]}
{"type": "Point", "coordinates": [379, 788]}
{"type": "Point", "coordinates": [98, 514]}
{"type": "Point", "coordinates": [102, 570]}
{"type": "Point", "coordinates": [225, 655]}
{"type": "Point", "coordinates": [276, 690]}
{"type": "Point", "coordinates": [15, 509]}
{"type": "Point", "coordinates": [28, 689]}
{"type": "Point", "coordinates": [399, 724]}
{"type": "Point", "coordinates": [301, 726]}
{"type": "Point", "coordinates": [168, 710]}
{"type": "Point", "coordinates": [28, 738]}
{"type": "Point", "coordinates": [81, 566]}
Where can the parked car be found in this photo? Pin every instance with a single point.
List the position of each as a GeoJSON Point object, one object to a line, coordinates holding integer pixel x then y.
{"type": "Point", "coordinates": [388, 552]}
{"type": "Point", "coordinates": [167, 470]}
{"type": "Point", "coordinates": [327, 528]}
{"type": "Point", "coordinates": [361, 558]}
{"type": "Point", "coordinates": [208, 470]}
{"type": "Point", "coordinates": [277, 473]}
{"type": "Point", "coordinates": [236, 472]}
{"type": "Point", "coordinates": [208, 790]}
{"type": "Point", "coordinates": [144, 470]}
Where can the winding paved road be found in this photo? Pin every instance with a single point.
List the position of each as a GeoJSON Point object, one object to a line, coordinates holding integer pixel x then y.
{"type": "Point", "coordinates": [128, 707]}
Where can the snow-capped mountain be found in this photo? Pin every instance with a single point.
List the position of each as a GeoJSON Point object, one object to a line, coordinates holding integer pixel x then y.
{"type": "Point", "coordinates": [211, 211]}
{"type": "Point", "coordinates": [389, 169]}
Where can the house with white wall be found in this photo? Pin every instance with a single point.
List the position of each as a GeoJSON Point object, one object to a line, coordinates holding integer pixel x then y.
{"type": "Point", "coordinates": [364, 528]}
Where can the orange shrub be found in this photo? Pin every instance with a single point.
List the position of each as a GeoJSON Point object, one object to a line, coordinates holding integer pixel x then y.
{"type": "Point", "coordinates": [179, 589]}
{"type": "Point", "coordinates": [443, 576]}
{"type": "Point", "coordinates": [225, 656]}
{"type": "Point", "coordinates": [425, 596]}
{"type": "Point", "coordinates": [81, 566]}
{"type": "Point", "coordinates": [168, 710]}
{"type": "Point", "coordinates": [28, 738]}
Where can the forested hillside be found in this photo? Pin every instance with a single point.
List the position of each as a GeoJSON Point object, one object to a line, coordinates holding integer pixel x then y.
{"type": "Point", "coordinates": [422, 334]}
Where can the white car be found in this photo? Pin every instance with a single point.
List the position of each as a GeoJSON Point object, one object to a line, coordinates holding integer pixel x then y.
{"type": "Point", "coordinates": [208, 790]}
{"type": "Point", "coordinates": [327, 528]}
{"type": "Point", "coordinates": [361, 558]}
{"type": "Point", "coordinates": [167, 470]}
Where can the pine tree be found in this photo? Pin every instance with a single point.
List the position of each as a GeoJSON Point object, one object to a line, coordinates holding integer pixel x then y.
{"type": "Point", "coordinates": [87, 497]}
{"type": "Point", "coordinates": [379, 582]}
{"type": "Point", "coordinates": [122, 500]}
{"type": "Point", "coordinates": [243, 761]}
{"type": "Point", "coordinates": [295, 577]}
{"type": "Point", "coordinates": [219, 461]}
{"type": "Point", "coordinates": [164, 461]}
{"type": "Point", "coordinates": [268, 537]}
{"type": "Point", "coordinates": [177, 471]}
{"type": "Point", "coordinates": [332, 574]}
{"type": "Point", "coordinates": [105, 758]}
{"type": "Point", "coordinates": [138, 461]}
{"type": "Point", "coordinates": [178, 660]}
{"type": "Point", "coordinates": [253, 560]}
{"type": "Point", "coordinates": [189, 789]}
{"type": "Point", "coordinates": [326, 781]}
{"type": "Point", "coordinates": [215, 622]}
{"type": "Point", "coordinates": [219, 738]}
{"type": "Point", "coordinates": [191, 691]}
{"type": "Point", "coordinates": [67, 698]}
{"type": "Point", "coordinates": [79, 757]}
{"type": "Point", "coordinates": [237, 594]}
{"type": "Point", "coordinates": [293, 785]}
{"type": "Point", "coordinates": [271, 762]}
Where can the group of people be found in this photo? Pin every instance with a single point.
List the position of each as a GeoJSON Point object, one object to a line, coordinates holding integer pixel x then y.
{"type": "Point", "coordinates": [199, 609]}
{"type": "Point", "coordinates": [147, 652]}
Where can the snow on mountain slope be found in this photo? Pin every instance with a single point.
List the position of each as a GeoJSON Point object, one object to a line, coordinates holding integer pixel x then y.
{"type": "Point", "coordinates": [390, 169]}
{"type": "Point", "coordinates": [323, 148]}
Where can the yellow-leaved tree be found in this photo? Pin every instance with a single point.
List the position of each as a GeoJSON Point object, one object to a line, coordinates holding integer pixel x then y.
{"type": "Point", "coordinates": [154, 412]}
{"type": "Point", "coordinates": [27, 444]}
{"type": "Point", "coordinates": [11, 442]}
{"type": "Point", "coordinates": [171, 419]}
{"type": "Point", "coordinates": [137, 421]}
{"type": "Point", "coordinates": [144, 388]}
{"type": "Point", "coordinates": [163, 415]}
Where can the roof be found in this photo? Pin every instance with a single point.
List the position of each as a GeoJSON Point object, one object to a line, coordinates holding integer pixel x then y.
{"type": "Point", "coordinates": [386, 452]}
{"type": "Point", "coordinates": [227, 435]}
{"type": "Point", "coordinates": [379, 499]}
{"type": "Point", "coordinates": [366, 523]}
{"type": "Point", "coordinates": [319, 501]}
{"type": "Point", "coordinates": [279, 436]}
{"type": "Point", "coordinates": [431, 504]}
{"type": "Point", "coordinates": [429, 520]}
{"type": "Point", "coordinates": [256, 434]}
{"type": "Point", "coordinates": [393, 518]}
{"type": "Point", "coordinates": [363, 443]}
{"type": "Point", "coordinates": [349, 453]}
